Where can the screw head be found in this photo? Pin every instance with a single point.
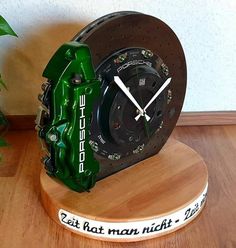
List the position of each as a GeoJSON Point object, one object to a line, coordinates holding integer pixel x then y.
{"type": "Point", "coordinates": [121, 58]}
{"type": "Point", "coordinates": [116, 125]}
{"type": "Point", "coordinates": [40, 97]}
{"type": "Point", "coordinates": [165, 69]}
{"type": "Point", "coordinates": [138, 149]}
{"type": "Point", "coordinates": [77, 79]}
{"type": "Point", "coordinates": [52, 137]}
{"type": "Point", "coordinates": [44, 159]}
{"type": "Point", "coordinates": [161, 125]}
{"type": "Point", "coordinates": [169, 96]}
{"type": "Point", "coordinates": [44, 86]}
{"type": "Point", "coordinates": [147, 53]}
{"type": "Point", "coordinates": [114, 156]}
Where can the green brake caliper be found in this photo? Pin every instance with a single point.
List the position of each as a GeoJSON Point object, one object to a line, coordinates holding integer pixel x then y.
{"type": "Point", "coordinates": [64, 120]}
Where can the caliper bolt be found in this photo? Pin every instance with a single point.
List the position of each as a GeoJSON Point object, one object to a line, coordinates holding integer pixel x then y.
{"type": "Point", "coordinates": [47, 164]}
{"type": "Point", "coordinates": [77, 79]}
{"type": "Point", "coordinates": [44, 159]}
{"type": "Point", "coordinates": [41, 133]}
{"type": "Point", "coordinates": [52, 137]}
{"type": "Point", "coordinates": [147, 53]}
{"type": "Point", "coordinates": [44, 86]}
{"type": "Point", "coordinates": [40, 97]}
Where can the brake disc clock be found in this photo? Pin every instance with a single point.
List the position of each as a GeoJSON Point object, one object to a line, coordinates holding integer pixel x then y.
{"type": "Point", "coordinates": [112, 98]}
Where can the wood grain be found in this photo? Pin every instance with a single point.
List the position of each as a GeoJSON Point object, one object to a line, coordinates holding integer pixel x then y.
{"type": "Point", "coordinates": [140, 192]}
{"type": "Point", "coordinates": [208, 118]}
{"type": "Point", "coordinates": [24, 222]}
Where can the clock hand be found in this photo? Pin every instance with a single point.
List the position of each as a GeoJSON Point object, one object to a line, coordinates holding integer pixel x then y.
{"type": "Point", "coordinates": [155, 96]}
{"type": "Point", "coordinates": [146, 126]}
{"type": "Point", "coordinates": [129, 95]}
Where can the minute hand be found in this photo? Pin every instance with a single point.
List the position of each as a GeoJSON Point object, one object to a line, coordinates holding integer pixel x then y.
{"type": "Point", "coordinates": [129, 95]}
{"type": "Point", "coordinates": [155, 96]}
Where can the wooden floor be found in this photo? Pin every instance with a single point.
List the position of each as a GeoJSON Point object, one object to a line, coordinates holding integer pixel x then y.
{"type": "Point", "coordinates": [24, 223]}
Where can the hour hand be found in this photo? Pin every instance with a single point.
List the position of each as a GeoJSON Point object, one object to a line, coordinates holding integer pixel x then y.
{"type": "Point", "coordinates": [119, 82]}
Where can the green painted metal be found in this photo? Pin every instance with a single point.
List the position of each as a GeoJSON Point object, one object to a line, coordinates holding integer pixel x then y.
{"type": "Point", "coordinates": [74, 88]}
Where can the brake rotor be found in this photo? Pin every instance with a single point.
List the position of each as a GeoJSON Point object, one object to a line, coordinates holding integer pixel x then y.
{"type": "Point", "coordinates": [121, 31]}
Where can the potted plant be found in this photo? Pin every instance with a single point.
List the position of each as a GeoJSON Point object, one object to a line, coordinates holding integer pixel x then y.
{"type": "Point", "coordinates": [5, 29]}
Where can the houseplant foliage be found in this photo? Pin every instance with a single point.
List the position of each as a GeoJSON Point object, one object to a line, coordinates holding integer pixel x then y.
{"type": "Point", "coordinates": [5, 29]}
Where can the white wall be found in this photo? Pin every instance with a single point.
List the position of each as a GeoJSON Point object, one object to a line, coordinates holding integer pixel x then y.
{"type": "Point", "coordinates": [207, 30]}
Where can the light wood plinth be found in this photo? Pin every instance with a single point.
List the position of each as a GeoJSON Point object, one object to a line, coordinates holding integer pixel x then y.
{"type": "Point", "coordinates": [152, 198]}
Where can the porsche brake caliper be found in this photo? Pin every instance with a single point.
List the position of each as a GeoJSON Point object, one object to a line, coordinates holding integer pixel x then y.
{"type": "Point", "coordinates": [63, 123]}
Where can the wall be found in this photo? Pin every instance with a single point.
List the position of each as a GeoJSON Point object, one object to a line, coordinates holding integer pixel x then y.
{"type": "Point", "coordinates": [206, 29]}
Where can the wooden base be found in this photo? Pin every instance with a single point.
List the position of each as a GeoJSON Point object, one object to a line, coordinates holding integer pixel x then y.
{"type": "Point", "coordinates": [152, 198]}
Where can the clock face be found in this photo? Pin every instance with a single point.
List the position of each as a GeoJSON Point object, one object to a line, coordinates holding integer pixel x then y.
{"type": "Point", "coordinates": [116, 129]}
{"type": "Point", "coordinates": [141, 66]}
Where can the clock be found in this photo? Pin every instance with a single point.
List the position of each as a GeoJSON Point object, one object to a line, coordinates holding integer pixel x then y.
{"type": "Point", "coordinates": [140, 66]}
{"type": "Point", "coordinates": [129, 113]}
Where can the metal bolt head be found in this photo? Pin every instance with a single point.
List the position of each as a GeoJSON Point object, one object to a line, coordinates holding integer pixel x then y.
{"type": "Point", "coordinates": [116, 125]}
{"type": "Point", "coordinates": [138, 149]}
{"type": "Point", "coordinates": [94, 145]}
{"type": "Point", "coordinates": [121, 58]}
{"type": "Point", "coordinates": [114, 156]}
{"type": "Point", "coordinates": [147, 53]}
{"type": "Point", "coordinates": [100, 77]}
{"type": "Point", "coordinates": [77, 79]}
{"type": "Point", "coordinates": [169, 96]}
{"type": "Point", "coordinates": [165, 69]}
{"type": "Point", "coordinates": [40, 97]}
{"type": "Point", "coordinates": [52, 137]}
{"type": "Point", "coordinates": [161, 125]}
{"type": "Point", "coordinates": [44, 86]}
{"type": "Point", "coordinates": [44, 159]}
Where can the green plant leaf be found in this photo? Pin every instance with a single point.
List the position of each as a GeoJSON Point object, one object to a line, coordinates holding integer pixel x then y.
{"type": "Point", "coordinates": [2, 84]}
{"type": "Point", "coordinates": [5, 28]}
